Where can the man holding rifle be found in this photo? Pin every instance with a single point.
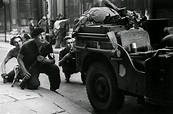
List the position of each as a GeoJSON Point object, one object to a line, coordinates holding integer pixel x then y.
{"type": "Point", "coordinates": [35, 57]}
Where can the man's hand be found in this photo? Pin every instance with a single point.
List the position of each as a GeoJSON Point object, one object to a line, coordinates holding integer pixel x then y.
{"type": "Point", "coordinates": [68, 55]}
{"type": "Point", "coordinates": [4, 75]}
{"type": "Point", "coordinates": [40, 58]}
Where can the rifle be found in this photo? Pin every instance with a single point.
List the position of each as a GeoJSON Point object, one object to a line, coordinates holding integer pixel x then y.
{"type": "Point", "coordinates": [32, 67]}
{"type": "Point", "coordinates": [16, 76]}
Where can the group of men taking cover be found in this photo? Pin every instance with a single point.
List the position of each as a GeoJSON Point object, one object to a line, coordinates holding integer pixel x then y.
{"type": "Point", "coordinates": [36, 55]}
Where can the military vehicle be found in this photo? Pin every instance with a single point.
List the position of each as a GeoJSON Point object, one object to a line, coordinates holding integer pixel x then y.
{"type": "Point", "coordinates": [115, 62]}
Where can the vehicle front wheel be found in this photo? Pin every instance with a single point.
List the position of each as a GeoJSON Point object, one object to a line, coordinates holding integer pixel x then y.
{"type": "Point", "coordinates": [102, 89]}
{"type": "Point", "coordinates": [83, 77]}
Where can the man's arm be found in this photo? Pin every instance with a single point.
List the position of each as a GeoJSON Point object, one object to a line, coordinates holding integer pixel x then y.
{"type": "Point", "coordinates": [49, 60]}
{"type": "Point", "coordinates": [82, 20]}
{"type": "Point", "coordinates": [48, 56]}
{"type": "Point", "coordinates": [3, 64]}
{"type": "Point", "coordinates": [24, 72]}
{"type": "Point", "coordinates": [39, 23]}
{"type": "Point", "coordinates": [64, 58]}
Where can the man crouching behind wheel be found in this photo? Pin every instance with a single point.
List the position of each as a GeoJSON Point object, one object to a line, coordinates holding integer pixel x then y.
{"type": "Point", "coordinates": [33, 51]}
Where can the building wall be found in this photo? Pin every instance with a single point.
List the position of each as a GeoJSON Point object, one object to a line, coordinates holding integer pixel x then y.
{"type": "Point", "coordinates": [74, 8]}
{"type": "Point", "coordinates": [53, 9]}
{"type": "Point", "coordinates": [5, 15]}
{"type": "Point", "coordinates": [18, 12]}
{"type": "Point", "coordinates": [14, 14]}
{"type": "Point", "coordinates": [60, 8]}
{"type": "Point", "coordinates": [162, 9]}
{"type": "Point", "coordinates": [24, 12]}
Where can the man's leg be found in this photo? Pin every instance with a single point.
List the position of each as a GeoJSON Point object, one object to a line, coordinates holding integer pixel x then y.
{"type": "Point", "coordinates": [54, 77]}
{"type": "Point", "coordinates": [53, 73]}
{"type": "Point", "coordinates": [67, 77]}
{"type": "Point", "coordinates": [67, 73]}
{"type": "Point", "coordinates": [69, 69]}
{"type": "Point", "coordinates": [58, 41]}
{"type": "Point", "coordinates": [33, 82]}
{"type": "Point", "coordinates": [10, 76]}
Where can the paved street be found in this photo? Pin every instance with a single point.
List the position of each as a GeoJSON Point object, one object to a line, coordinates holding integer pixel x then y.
{"type": "Point", "coordinates": [71, 93]}
{"type": "Point", "coordinates": [97, 26]}
{"type": "Point", "coordinates": [41, 101]}
{"type": "Point", "coordinates": [75, 91]}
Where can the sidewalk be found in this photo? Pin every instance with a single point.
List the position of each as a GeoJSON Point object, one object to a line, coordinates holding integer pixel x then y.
{"type": "Point", "coordinates": [41, 101]}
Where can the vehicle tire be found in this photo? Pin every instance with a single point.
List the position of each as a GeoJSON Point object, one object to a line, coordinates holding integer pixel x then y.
{"type": "Point", "coordinates": [102, 89]}
{"type": "Point", "coordinates": [83, 77]}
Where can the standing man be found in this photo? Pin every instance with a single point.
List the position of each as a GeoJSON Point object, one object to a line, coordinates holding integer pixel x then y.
{"type": "Point", "coordinates": [60, 30]}
{"type": "Point", "coordinates": [31, 25]}
{"type": "Point", "coordinates": [67, 58]}
{"type": "Point", "coordinates": [40, 51]}
{"type": "Point", "coordinates": [43, 23]}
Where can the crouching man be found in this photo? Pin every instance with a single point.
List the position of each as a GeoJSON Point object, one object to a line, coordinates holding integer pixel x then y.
{"type": "Point", "coordinates": [67, 58]}
{"type": "Point", "coordinates": [16, 41]}
{"type": "Point", "coordinates": [39, 51]}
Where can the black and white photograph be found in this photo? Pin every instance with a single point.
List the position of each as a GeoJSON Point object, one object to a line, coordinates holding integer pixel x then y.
{"type": "Point", "coordinates": [86, 57]}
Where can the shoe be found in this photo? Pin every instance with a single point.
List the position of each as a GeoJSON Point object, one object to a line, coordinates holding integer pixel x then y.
{"type": "Point", "coordinates": [4, 77]}
{"type": "Point", "coordinates": [67, 80]}
{"type": "Point", "coordinates": [5, 80]}
{"type": "Point", "coordinates": [67, 77]}
{"type": "Point", "coordinates": [23, 84]}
